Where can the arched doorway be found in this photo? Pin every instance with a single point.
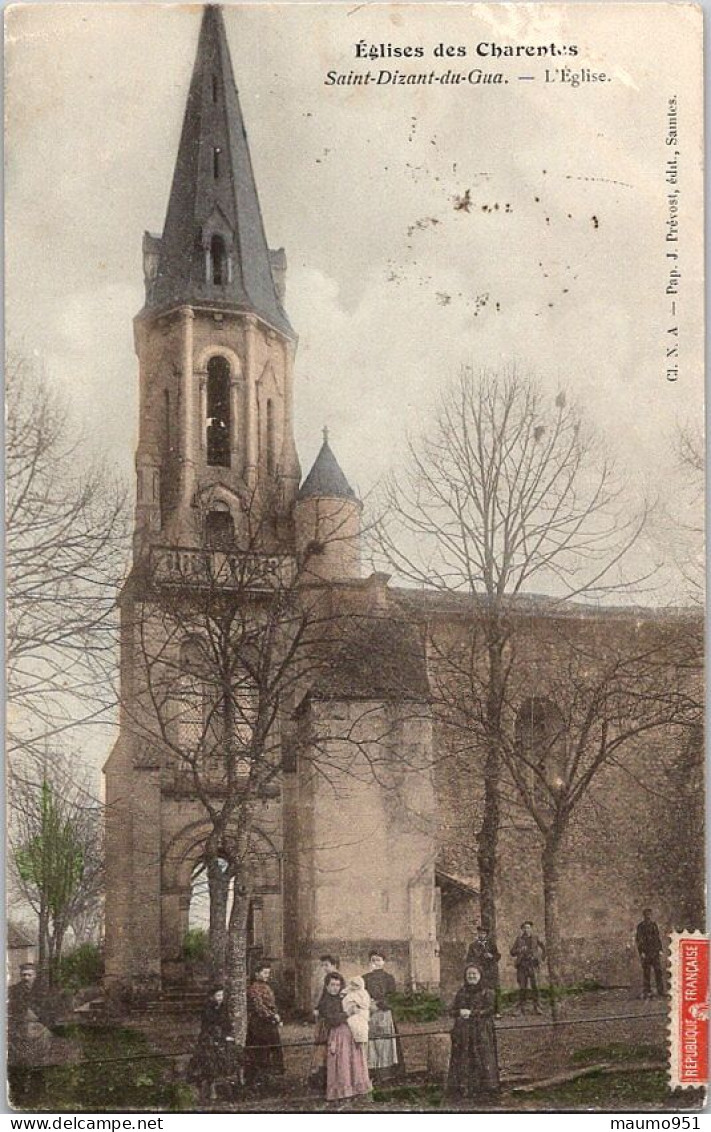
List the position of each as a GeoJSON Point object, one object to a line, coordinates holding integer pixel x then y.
{"type": "Point", "coordinates": [186, 905]}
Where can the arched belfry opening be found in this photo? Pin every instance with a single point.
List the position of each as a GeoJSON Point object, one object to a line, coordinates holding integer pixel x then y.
{"type": "Point", "coordinates": [219, 528]}
{"type": "Point", "coordinates": [218, 261]}
{"type": "Point", "coordinates": [219, 425]}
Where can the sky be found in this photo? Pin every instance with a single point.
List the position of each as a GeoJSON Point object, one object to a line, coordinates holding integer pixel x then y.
{"type": "Point", "coordinates": [425, 227]}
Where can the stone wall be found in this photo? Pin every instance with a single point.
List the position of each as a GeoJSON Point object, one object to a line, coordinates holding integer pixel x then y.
{"type": "Point", "coordinates": [364, 840]}
{"type": "Point", "coordinates": [614, 861]}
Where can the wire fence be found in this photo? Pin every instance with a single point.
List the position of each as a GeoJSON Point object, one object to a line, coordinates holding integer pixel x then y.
{"type": "Point", "coordinates": [406, 1035]}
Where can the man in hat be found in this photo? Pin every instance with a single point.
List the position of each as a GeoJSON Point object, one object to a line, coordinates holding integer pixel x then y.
{"type": "Point", "coordinates": [483, 952]}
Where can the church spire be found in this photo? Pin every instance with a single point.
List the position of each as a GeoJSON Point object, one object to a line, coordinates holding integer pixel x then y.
{"type": "Point", "coordinates": [213, 250]}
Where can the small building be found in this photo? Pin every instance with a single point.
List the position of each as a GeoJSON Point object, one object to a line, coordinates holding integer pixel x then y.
{"type": "Point", "coordinates": [20, 949]}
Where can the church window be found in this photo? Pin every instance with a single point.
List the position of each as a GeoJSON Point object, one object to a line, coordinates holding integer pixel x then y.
{"type": "Point", "coordinates": [216, 162]}
{"type": "Point", "coordinates": [219, 530]}
{"type": "Point", "coordinates": [214, 88]}
{"type": "Point", "coordinates": [218, 261]}
{"type": "Point", "coordinates": [541, 747]}
{"type": "Point", "coordinates": [271, 454]}
{"type": "Point", "coordinates": [218, 413]}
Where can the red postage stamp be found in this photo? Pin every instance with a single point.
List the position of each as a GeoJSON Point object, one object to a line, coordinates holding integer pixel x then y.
{"type": "Point", "coordinates": [689, 1030]}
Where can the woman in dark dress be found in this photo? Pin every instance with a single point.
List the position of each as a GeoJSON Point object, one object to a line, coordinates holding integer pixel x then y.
{"type": "Point", "coordinates": [473, 1066]}
{"type": "Point", "coordinates": [384, 1049]}
{"type": "Point", "coordinates": [263, 1056]}
{"type": "Point", "coordinates": [214, 1059]}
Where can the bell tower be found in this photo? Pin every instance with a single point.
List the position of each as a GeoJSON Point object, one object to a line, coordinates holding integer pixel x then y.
{"type": "Point", "coordinates": [214, 343]}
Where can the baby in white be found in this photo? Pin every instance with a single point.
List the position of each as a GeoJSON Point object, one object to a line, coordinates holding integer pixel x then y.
{"type": "Point", "coordinates": [356, 1004]}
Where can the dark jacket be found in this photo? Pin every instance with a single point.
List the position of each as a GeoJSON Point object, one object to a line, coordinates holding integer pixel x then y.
{"type": "Point", "coordinates": [486, 956]}
{"type": "Point", "coordinates": [528, 950]}
{"type": "Point", "coordinates": [647, 938]}
{"type": "Point", "coordinates": [214, 1058]}
{"type": "Point", "coordinates": [380, 985]}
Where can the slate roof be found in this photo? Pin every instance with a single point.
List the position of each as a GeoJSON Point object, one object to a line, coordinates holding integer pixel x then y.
{"type": "Point", "coordinates": [227, 203]}
{"type": "Point", "coordinates": [375, 658]}
{"type": "Point", "coordinates": [326, 478]}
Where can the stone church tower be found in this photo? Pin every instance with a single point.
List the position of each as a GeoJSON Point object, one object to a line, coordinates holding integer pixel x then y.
{"type": "Point", "coordinates": [216, 449]}
{"type": "Point", "coordinates": [215, 347]}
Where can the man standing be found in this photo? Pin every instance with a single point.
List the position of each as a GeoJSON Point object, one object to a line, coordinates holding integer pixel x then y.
{"type": "Point", "coordinates": [24, 1006]}
{"type": "Point", "coordinates": [527, 951]}
{"type": "Point", "coordinates": [484, 954]}
{"type": "Point", "coordinates": [649, 946]}
{"type": "Point", "coordinates": [26, 1034]}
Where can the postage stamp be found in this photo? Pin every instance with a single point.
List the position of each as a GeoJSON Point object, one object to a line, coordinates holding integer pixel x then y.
{"type": "Point", "coordinates": [689, 1010]}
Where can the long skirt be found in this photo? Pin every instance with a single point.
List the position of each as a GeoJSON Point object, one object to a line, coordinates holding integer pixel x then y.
{"type": "Point", "coordinates": [473, 1066]}
{"type": "Point", "coordinates": [213, 1060]}
{"type": "Point", "coordinates": [382, 1043]}
{"type": "Point", "coordinates": [346, 1066]}
{"type": "Point", "coordinates": [263, 1056]}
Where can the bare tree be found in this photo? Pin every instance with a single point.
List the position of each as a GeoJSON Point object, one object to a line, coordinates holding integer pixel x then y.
{"type": "Point", "coordinates": [504, 492]}
{"type": "Point", "coordinates": [66, 549]}
{"type": "Point", "coordinates": [56, 856]}
{"type": "Point", "coordinates": [225, 642]}
{"type": "Point", "coordinates": [605, 692]}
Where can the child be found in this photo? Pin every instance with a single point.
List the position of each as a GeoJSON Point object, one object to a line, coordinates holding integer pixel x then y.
{"type": "Point", "coordinates": [356, 1004]}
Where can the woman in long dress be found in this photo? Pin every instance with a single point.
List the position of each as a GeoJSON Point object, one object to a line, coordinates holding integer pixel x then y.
{"type": "Point", "coordinates": [473, 1065]}
{"type": "Point", "coordinates": [263, 1057]}
{"type": "Point", "coordinates": [214, 1059]}
{"type": "Point", "coordinates": [317, 1068]}
{"type": "Point", "coordinates": [346, 1063]}
{"type": "Point", "coordinates": [384, 1051]}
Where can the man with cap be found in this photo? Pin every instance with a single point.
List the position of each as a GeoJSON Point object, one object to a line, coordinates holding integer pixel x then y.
{"type": "Point", "coordinates": [527, 952]}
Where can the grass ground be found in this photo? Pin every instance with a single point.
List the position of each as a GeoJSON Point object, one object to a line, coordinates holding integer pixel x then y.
{"type": "Point", "coordinates": [96, 1079]}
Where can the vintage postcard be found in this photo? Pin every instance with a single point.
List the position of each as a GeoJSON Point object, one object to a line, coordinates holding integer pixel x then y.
{"type": "Point", "coordinates": [354, 464]}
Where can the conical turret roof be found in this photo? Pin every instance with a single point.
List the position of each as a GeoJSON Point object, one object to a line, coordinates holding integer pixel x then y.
{"type": "Point", "coordinates": [214, 198]}
{"type": "Point", "coordinates": [326, 477]}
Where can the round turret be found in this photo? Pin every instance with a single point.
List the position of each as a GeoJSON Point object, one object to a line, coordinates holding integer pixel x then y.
{"type": "Point", "coordinates": [327, 520]}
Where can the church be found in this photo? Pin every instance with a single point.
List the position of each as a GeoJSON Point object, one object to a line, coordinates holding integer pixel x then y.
{"type": "Point", "coordinates": [386, 859]}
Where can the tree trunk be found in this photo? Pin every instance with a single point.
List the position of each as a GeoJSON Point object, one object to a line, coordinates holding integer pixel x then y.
{"type": "Point", "coordinates": [551, 880]}
{"type": "Point", "coordinates": [57, 944]}
{"type": "Point", "coordinates": [487, 852]}
{"type": "Point", "coordinates": [218, 882]}
{"type": "Point", "coordinates": [43, 930]}
{"type": "Point", "coordinates": [236, 967]}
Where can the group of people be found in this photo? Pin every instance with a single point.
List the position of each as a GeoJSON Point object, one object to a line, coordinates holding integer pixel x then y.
{"type": "Point", "coordinates": [355, 1041]}
{"type": "Point", "coordinates": [527, 951]}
